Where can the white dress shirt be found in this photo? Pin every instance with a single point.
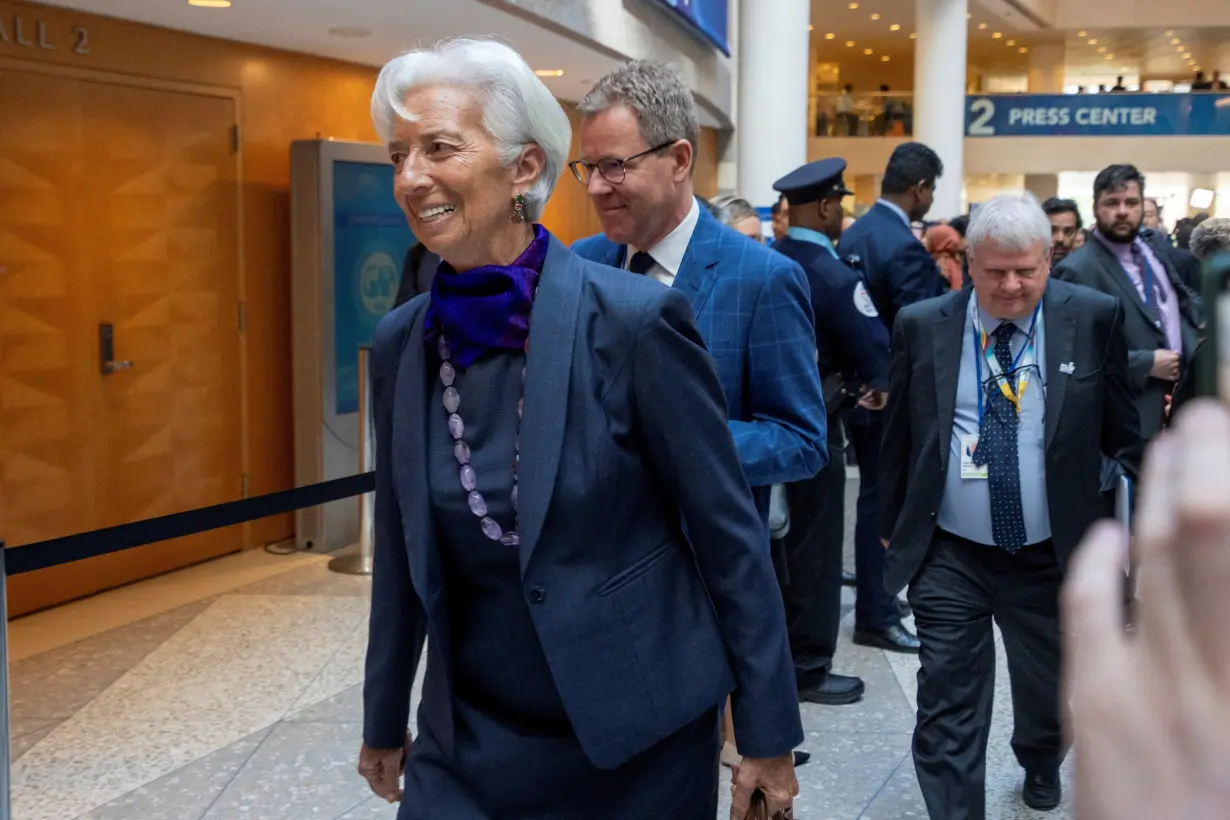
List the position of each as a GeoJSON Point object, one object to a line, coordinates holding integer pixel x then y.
{"type": "Point", "coordinates": [668, 254]}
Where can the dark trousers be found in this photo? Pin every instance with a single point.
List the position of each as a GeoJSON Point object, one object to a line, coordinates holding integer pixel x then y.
{"type": "Point", "coordinates": [959, 589]}
{"type": "Point", "coordinates": [813, 551]}
{"type": "Point", "coordinates": [875, 607]}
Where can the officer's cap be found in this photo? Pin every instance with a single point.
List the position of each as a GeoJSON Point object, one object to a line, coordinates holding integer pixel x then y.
{"type": "Point", "coordinates": [814, 181]}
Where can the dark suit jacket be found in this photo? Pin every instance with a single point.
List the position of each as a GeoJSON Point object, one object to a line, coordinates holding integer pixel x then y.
{"type": "Point", "coordinates": [753, 309]}
{"type": "Point", "coordinates": [1089, 414]}
{"type": "Point", "coordinates": [417, 271]}
{"type": "Point", "coordinates": [1094, 266]}
{"type": "Point", "coordinates": [895, 265]}
{"type": "Point", "coordinates": [624, 440]}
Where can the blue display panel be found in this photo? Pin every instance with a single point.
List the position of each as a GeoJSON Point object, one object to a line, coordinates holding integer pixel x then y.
{"type": "Point", "coordinates": [1097, 115]}
{"type": "Point", "coordinates": [370, 242]}
{"type": "Point", "coordinates": [709, 17]}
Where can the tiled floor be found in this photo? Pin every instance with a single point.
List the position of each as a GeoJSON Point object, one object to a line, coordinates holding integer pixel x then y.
{"type": "Point", "coordinates": [233, 691]}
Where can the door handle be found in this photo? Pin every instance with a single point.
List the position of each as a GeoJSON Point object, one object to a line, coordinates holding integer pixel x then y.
{"type": "Point", "coordinates": [106, 351]}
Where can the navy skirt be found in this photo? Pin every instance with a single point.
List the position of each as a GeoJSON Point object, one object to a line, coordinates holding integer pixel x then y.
{"type": "Point", "coordinates": [499, 774]}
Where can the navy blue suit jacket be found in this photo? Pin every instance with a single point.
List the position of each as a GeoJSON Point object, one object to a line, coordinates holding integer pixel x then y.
{"type": "Point", "coordinates": [624, 441]}
{"type": "Point", "coordinates": [894, 264]}
{"type": "Point", "coordinates": [850, 338]}
{"type": "Point", "coordinates": [753, 308]}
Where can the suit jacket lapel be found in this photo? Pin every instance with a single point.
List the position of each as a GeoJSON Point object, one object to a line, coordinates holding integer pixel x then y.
{"type": "Point", "coordinates": [553, 326]}
{"type": "Point", "coordinates": [947, 339]}
{"type": "Point", "coordinates": [410, 439]}
{"type": "Point", "coordinates": [1060, 324]}
{"type": "Point", "coordinates": [698, 271]}
{"type": "Point", "coordinates": [1113, 271]}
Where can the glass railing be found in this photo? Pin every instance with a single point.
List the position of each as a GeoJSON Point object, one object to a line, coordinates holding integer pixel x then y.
{"type": "Point", "coordinates": [878, 114]}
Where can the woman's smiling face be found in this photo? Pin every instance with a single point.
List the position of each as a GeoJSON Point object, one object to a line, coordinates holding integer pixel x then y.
{"type": "Point", "coordinates": [449, 180]}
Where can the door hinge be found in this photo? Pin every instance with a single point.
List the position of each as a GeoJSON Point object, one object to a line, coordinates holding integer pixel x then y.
{"type": "Point", "coordinates": [244, 482]}
{"type": "Point", "coordinates": [235, 138]}
{"type": "Point", "coordinates": [242, 317]}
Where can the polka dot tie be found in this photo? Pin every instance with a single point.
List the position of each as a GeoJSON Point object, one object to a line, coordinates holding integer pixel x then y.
{"type": "Point", "coordinates": [997, 448]}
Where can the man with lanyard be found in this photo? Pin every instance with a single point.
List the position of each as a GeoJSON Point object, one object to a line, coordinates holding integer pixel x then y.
{"type": "Point", "coordinates": [1005, 400]}
{"type": "Point", "coordinates": [852, 355]}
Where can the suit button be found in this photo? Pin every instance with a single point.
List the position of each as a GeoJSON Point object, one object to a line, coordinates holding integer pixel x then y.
{"type": "Point", "coordinates": [537, 595]}
{"type": "Point", "coordinates": [932, 516]}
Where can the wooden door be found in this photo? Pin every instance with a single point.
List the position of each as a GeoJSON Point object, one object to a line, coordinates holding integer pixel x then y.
{"type": "Point", "coordinates": [150, 239]}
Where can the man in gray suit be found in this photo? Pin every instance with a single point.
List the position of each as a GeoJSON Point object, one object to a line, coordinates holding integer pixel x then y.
{"type": "Point", "coordinates": [1003, 403]}
{"type": "Point", "coordinates": [1161, 314]}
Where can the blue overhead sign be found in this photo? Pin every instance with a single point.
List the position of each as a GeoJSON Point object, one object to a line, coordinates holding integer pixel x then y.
{"type": "Point", "coordinates": [1097, 115]}
{"type": "Point", "coordinates": [709, 17]}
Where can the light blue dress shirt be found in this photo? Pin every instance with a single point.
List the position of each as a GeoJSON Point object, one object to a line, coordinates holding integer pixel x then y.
{"type": "Point", "coordinates": [814, 237]}
{"type": "Point", "coordinates": [966, 508]}
{"type": "Point", "coordinates": [897, 210]}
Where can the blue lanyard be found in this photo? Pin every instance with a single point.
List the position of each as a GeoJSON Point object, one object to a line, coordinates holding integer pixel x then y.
{"type": "Point", "coordinates": [980, 351]}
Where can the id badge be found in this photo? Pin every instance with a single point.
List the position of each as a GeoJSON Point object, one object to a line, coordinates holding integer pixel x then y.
{"type": "Point", "coordinates": [968, 468]}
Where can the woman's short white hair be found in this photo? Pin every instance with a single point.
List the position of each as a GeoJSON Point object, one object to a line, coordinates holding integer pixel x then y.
{"type": "Point", "coordinates": [518, 110]}
{"type": "Point", "coordinates": [1014, 223]}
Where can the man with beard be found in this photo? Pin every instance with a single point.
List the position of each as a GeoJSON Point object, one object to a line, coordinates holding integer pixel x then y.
{"type": "Point", "coordinates": [1161, 313]}
{"type": "Point", "coordinates": [1065, 225]}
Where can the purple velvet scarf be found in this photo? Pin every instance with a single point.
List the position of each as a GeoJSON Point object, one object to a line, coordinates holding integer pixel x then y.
{"type": "Point", "coordinates": [486, 309]}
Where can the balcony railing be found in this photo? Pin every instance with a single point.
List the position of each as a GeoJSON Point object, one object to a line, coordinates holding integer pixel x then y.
{"type": "Point", "coordinates": [879, 114]}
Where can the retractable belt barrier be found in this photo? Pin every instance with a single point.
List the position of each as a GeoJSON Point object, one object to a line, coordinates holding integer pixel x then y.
{"type": "Point", "coordinates": [80, 546]}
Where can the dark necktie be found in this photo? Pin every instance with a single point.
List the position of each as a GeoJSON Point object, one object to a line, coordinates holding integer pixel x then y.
{"type": "Point", "coordinates": [1154, 292]}
{"type": "Point", "coordinates": [641, 263]}
{"type": "Point", "coordinates": [997, 448]}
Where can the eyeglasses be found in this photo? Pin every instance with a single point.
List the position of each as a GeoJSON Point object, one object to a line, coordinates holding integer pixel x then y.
{"type": "Point", "coordinates": [612, 170]}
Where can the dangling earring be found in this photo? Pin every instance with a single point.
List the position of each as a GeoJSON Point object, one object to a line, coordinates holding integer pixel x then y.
{"type": "Point", "coordinates": [518, 214]}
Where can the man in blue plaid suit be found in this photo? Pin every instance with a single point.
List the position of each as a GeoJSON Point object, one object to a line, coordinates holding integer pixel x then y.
{"type": "Point", "coordinates": [752, 306]}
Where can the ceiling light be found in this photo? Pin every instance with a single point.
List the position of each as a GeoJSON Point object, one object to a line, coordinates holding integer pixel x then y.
{"type": "Point", "coordinates": [349, 31]}
{"type": "Point", "coordinates": [849, 44]}
{"type": "Point", "coordinates": [875, 16]}
{"type": "Point", "coordinates": [997, 35]}
{"type": "Point", "coordinates": [1174, 41]}
{"type": "Point", "coordinates": [884, 59]}
{"type": "Point", "coordinates": [913, 35]}
{"type": "Point", "coordinates": [830, 36]}
{"type": "Point", "coordinates": [1082, 34]}
{"type": "Point", "coordinates": [894, 27]}
{"type": "Point", "coordinates": [1093, 41]}
{"type": "Point", "coordinates": [969, 16]}
{"type": "Point", "coordinates": [210, 4]}
{"type": "Point", "coordinates": [1010, 43]}
{"type": "Point", "coordinates": [1022, 49]}
{"type": "Point", "coordinates": [1110, 56]}
{"type": "Point", "coordinates": [982, 26]}
{"type": "Point", "coordinates": [868, 52]}
{"type": "Point", "coordinates": [1170, 34]}
{"type": "Point", "coordinates": [1201, 198]}
{"type": "Point", "coordinates": [1180, 49]}
{"type": "Point", "coordinates": [1102, 50]}
{"type": "Point", "coordinates": [549, 72]}
{"type": "Point", "coordinates": [811, 28]}
{"type": "Point", "coordinates": [853, 6]}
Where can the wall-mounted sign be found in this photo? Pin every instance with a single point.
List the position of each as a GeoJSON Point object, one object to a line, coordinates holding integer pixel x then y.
{"type": "Point", "coordinates": [34, 32]}
{"type": "Point", "coordinates": [709, 17]}
{"type": "Point", "coordinates": [1098, 115]}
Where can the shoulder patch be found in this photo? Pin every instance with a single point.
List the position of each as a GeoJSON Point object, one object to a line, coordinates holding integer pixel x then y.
{"type": "Point", "coordinates": [862, 301]}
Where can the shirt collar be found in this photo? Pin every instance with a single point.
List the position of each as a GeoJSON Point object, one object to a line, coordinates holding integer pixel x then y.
{"type": "Point", "coordinates": [814, 237]}
{"type": "Point", "coordinates": [990, 324]}
{"type": "Point", "coordinates": [897, 210]}
{"type": "Point", "coordinates": [668, 254]}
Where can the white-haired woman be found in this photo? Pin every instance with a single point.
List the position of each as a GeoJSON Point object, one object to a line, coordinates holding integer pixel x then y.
{"type": "Point", "coordinates": [546, 427]}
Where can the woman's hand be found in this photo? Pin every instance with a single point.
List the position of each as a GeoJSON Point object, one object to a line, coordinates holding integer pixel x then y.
{"type": "Point", "coordinates": [382, 769]}
{"type": "Point", "coordinates": [1151, 711]}
{"type": "Point", "coordinates": [773, 776]}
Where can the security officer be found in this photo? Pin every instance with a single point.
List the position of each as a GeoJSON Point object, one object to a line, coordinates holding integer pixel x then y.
{"type": "Point", "coordinates": [852, 354]}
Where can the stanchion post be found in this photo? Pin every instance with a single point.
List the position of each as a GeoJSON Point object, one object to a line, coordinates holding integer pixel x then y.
{"type": "Point", "coordinates": [6, 763]}
{"type": "Point", "coordinates": [360, 563]}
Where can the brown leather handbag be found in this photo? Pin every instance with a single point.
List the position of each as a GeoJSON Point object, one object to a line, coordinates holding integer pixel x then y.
{"type": "Point", "coordinates": [759, 809]}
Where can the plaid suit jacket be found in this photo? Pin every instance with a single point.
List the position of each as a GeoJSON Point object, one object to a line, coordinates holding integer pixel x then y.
{"type": "Point", "coordinates": [624, 442]}
{"type": "Point", "coordinates": [753, 309]}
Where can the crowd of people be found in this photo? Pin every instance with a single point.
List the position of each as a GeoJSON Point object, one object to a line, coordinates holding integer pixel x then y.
{"type": "Point", "coordinates": [609, 482]}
